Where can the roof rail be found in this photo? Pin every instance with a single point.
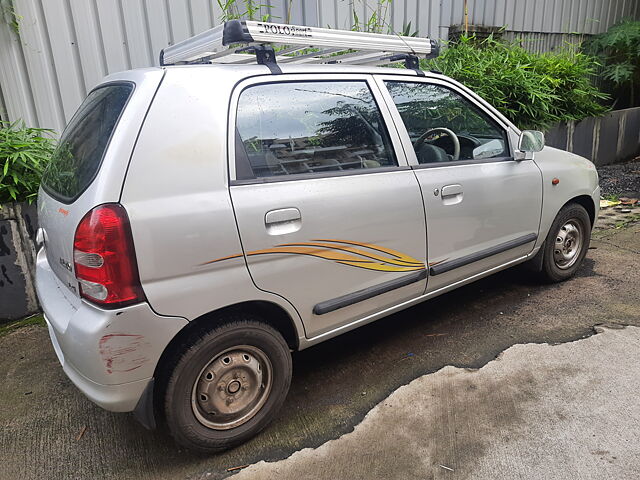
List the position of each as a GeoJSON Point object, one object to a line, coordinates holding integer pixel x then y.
{"type": "Point", "coordinates": [227, 43]}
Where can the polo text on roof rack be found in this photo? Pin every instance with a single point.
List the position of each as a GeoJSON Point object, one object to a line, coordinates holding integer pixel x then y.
{"type": "Point", "coordinates": [227, 43]}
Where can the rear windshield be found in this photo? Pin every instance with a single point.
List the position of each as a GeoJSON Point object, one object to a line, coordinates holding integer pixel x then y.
{"type": "Point", "coordinates": [77, 159]}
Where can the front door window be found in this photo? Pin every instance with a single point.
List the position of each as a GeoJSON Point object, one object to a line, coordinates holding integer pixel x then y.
{"type": "Point", "coordinates": [444, 126]}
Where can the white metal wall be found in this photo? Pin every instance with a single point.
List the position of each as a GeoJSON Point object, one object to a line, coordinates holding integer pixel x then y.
{"type": "Point", "coordinates": [65, 47]}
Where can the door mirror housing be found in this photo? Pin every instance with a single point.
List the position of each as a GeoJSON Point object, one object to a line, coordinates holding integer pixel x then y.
{"type": "Point", "coordinates": [530, 141]}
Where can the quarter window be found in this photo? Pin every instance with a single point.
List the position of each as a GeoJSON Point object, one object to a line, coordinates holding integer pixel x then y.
{"type": "Point", "coordinates": [309, 128]}
{"type": "Point", "coordinates": [444, 126]}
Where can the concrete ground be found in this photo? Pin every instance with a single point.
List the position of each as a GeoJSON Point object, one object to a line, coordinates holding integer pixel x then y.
{"type": "Point", "coordinates": [539, 411]}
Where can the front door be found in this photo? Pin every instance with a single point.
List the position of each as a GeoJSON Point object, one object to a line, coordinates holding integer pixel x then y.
{"type": "Point", "coordinates": [329, 213]}
{"type": "Point", "coordinates": [482, 206]}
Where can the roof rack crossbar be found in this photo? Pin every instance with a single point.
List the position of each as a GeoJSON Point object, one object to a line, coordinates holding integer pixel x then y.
{"type": "Point", "coordinates": [311, 57]}
{"type": "Point", "coordinates": [227, 42]}
{"type": "Point", "coordinates": [290, 50]}
{"type": "Point", "coordinates": [358, 58]}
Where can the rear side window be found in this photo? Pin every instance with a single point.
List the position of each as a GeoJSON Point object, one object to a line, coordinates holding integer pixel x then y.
{"type": "Point", "coordinates": [77, 159]}
{"type": "Point", "coordinates": [309, 128]}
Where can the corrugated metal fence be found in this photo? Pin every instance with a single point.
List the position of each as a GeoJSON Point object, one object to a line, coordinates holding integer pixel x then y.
{"type": "Point", "coordinates": [64, 47]}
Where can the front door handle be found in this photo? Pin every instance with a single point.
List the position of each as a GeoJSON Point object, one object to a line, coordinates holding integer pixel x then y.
{"type": "Point", "coordinates": [282, 221]}
{"type": "Point", "coordinates": [451, 194]}
{"type": "Point", "coordinates": [450, 190]}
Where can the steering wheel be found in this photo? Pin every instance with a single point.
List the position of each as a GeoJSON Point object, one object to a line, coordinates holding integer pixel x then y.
{"type": "Point", "coordinates": [454, 139]}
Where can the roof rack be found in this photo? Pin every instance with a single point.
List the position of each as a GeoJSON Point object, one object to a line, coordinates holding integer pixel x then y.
{"type": "Point", "coordinates": [246, 41]}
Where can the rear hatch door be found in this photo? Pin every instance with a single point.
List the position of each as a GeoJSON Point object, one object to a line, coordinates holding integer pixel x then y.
{"type": "Point", "coordinates": [89, 165]}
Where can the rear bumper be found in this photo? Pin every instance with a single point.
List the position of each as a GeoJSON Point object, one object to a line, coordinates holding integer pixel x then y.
{"type": "Point", "coordinates": [110, 355]}
{"type": "Point", "coordinates": [116, 398]}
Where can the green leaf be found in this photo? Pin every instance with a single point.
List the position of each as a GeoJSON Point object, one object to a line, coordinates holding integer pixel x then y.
{"type": "Point", "coordinates": [24, 152]}
{"type": "Point", "coordinates": [533, 90]}
{"type": "Point", "coordinates": [620, 73]}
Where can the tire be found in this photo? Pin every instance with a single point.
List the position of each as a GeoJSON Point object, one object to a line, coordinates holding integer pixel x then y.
{"type": "Point", "coordinates": [227, 384]}
{"type": "Point", "coordinates": [566, 244]}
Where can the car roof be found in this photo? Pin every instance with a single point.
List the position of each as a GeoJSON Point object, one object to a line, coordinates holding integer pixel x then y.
{"type": "Point", "coordinates": [255, 69]}
{"type": "Point", "coordinates": [236, 73]}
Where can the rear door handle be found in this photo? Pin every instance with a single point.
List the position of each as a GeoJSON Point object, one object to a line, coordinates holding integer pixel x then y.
{"type": "Point", "coordinates": [450, 190]}
{"type": "Point", "coordinates": [282, 215]}
{"type": "Point", "coordinates": [283, 221]}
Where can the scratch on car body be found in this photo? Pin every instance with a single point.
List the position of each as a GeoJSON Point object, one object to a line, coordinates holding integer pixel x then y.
{"type": "Point", "coordinates": [123, 352]}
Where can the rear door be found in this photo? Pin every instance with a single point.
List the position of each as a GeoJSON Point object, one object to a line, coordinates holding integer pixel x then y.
{"type": "Point", "coordinates": [482, 206]}
{"type": "Point", "coordinates": [329, 213]}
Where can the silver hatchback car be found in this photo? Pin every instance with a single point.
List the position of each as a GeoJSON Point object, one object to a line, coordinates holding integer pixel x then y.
{"type": "Point", "coordinates": [198, 223]}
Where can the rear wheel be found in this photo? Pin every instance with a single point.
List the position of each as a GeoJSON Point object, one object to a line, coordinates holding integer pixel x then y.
{"type": "Point", "coordinates": [566, 244]}
{"type": "Point", "coordinates": [227, 385]}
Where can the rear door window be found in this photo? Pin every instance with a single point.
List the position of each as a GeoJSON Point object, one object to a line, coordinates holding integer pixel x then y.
{"type": "Point", "coordinates": [310, 128]}
{"type": "Point", "coordinates": [79, 154]}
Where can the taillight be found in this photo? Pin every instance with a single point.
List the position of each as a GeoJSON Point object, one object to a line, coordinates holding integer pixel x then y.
{"type": "Point", "coordinates": [104, 258]}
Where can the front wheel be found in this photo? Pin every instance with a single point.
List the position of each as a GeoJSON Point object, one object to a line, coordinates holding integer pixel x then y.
{"type": "Point", "coordinates": [227, 385]}
{"type": "Point", "coordinates": [566, 244]}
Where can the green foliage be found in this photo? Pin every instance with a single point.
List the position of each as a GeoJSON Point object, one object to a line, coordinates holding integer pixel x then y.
{"type": "Point", "coordinates": [24, 152]}
{"type": "Point", "coordinates": [533, 90]}
{"type": "Point", "coordinates": [407, 32]}
{"type": "Point", "coordinates": [234, 10]}
{"type": "Point", "coordinates": [9, 15]}
{"type": "Point", "coordinates": [376, 21]}
{"type": "Point", "coordinates": [618, 50]}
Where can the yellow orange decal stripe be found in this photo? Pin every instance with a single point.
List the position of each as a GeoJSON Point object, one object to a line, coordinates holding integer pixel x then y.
{"type": "Point", "coordinates": [359, 252]}
{"type": "Point", "coordinates": [399, 255]}
{"type": "Point", "coordinates": [343, 252]}
{"type": "Point", "coordinates": [314, 252]}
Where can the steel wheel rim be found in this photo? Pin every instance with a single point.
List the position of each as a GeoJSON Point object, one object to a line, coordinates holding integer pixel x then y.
{"type": "Point", "coordinates": [568, 244]}
{"type": "Point", "coordinates": [232, 387]}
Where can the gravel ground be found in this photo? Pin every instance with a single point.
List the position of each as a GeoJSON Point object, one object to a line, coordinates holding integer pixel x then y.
{"type": "Point", "coordinates": [620, 179]}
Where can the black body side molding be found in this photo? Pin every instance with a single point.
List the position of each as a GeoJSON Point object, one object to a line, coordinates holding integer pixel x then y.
{"type": "Point", "coordinates": [474, 257]}
{"type": "Point", "coordinates": [366, 293]}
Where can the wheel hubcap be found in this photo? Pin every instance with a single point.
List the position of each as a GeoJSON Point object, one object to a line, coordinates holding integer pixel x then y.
{"type": "Point", "coordinates": [232, 388]}
{"type": "Point", "coordinates": [568, 244]}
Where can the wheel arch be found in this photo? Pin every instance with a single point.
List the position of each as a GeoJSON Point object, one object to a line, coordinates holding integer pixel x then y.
{"type": "Point", "coordinates": [269, 312]}
{"type": "Point", "coordinates": [587, 202]}
{"type": "Point", "coordinates": [535, 262]}
{"type": "Point", "coordinates": [149, 409]}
